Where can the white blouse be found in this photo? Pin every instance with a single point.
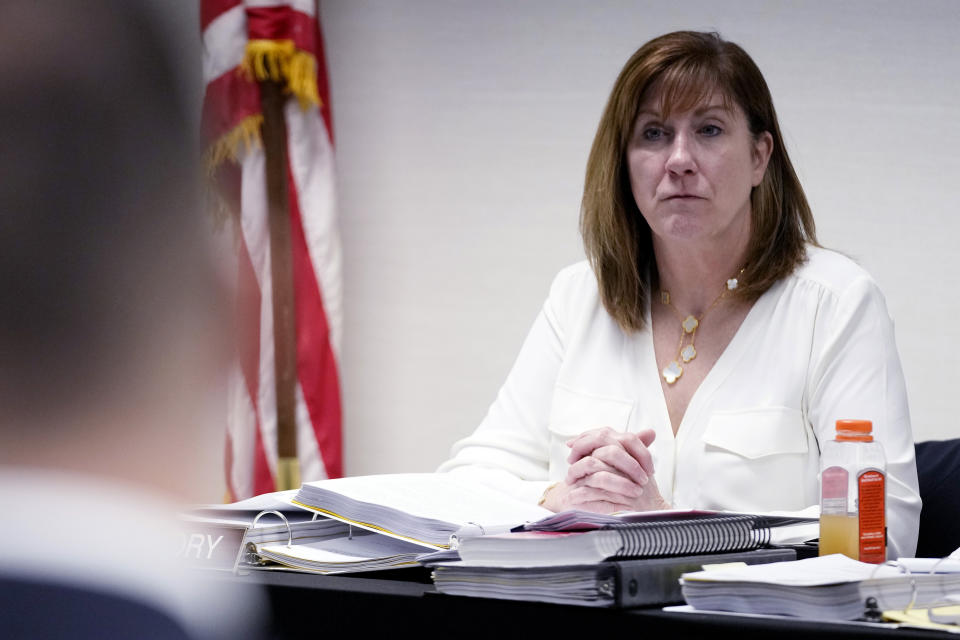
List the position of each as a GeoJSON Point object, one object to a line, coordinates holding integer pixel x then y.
{"type": "Point", "coordinates": [818, 346]}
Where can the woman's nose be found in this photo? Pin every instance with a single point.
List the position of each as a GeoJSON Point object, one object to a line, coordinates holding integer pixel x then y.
{"type": "Point", "coordinates": [681, 159]}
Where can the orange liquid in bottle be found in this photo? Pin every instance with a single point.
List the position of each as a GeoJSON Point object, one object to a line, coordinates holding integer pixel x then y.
{"type": "Point", "coordinates": [840, 534]}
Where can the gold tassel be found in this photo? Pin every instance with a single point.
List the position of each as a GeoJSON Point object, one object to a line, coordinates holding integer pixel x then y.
{"type": "Point", "coordinates": [302, 79]}
{"type": "Point", "coordinates": [280, 61]}
{"type": "Point", "coordinates": [227, 146]}
{"type": "Point", "coordinates": [276, 60]}
{"type": "Point", "coordinates": [266, 59]}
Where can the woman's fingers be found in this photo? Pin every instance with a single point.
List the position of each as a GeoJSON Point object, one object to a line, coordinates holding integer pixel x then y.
{"type": "Point", "coordinates": [595, 493]}
{"type": "Point", "coordinates": [561, 497]}
{"type": "Point", "coordinates": [584, 444]}
{"type": "Point", "coordinates": [647, 436]}
{"type": "Point", "coordinates": [589, 498]}
{"type": "Point", "coordinates": [596, 474]}
{"type": "Point", "coordinates": [612, 458]}
{"type": "Point", "coordinates": [609, 471]}
{"type": "Point", "coordinates": [634, 444]}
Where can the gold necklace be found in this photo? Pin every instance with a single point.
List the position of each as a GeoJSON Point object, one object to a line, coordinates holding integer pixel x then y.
{"type": "Point", "coordinates": [688, 327]}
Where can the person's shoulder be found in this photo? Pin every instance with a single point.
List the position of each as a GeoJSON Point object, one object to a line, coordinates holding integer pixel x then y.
{"type": "Point", "coordinates": [575, 281]}
{"type": "Point", "coordinates": [576, 271]}
{"type": "Point", "coordinates": [574, 296]}
{"type": "Point", "coordinates": [833, 271]}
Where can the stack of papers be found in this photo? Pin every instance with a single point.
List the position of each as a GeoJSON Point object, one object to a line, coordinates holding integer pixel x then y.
{"type": "Point", "coordinates": [590, 586]}
{"type": "Point", "coordinates": [426, 509]}
{"type": "Point", "coordinates": [578, 537]}
{"type": "Point", "coordinates": [612, 583]}
{"type": "Point", "coordinates": [362, 523]}
{"type": "Point", "coordinates": [304, 525]}
{"type": "Point", "coordinates": [830, 587]}
{"type": "Point", "coordinates": [297, 538]}
{"type": "Point", "coordinates": [785, 528]}
{"type": "Point", "coordinates": [361, 551]}
{"type": "Point", "coordinates": [248, 509]}
{"type": "Point", "coordinates": [541, 548]}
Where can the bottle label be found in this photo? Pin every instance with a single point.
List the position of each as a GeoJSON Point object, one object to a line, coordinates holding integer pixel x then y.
{"type": "Point", "coordinates": [871, 489]}
{"type": "Point", "coordinates": [833, 490]}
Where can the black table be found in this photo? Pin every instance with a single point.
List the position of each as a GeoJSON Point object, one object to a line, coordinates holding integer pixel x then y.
{"type": "Point", "coordinates": [387, 602]}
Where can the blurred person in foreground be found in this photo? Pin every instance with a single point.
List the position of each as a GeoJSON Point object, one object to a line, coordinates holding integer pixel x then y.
{"type": "Point", "coordinates": [702, 354]}
{"type": "Point", "coordinates": [110, 337]}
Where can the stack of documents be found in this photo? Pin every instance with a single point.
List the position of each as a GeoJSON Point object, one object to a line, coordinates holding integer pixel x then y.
{"type": "Point", "coordinates": [614, 583]}
{"type": "Point", "coordinates": [360, 551]}
{"type": "Point", "coordinates": [268, 532]}
{"type": "Point", "coordinates": [219, 536]}
{"type": "Point", "coordinates": [591, 586]}
{"type": "Point", "coordinates": [541, 548]}
{"type": "Point", "coordinates": [639, 535]}
{"type": "Point", "coordinates": [426, 509]}
{"type": "Point", "coordinates": [830, 587]}
{"type": "Point", "coordinates": [784, 527]}
{"type": "Point", "coordinates": [635, 560]}
{"type": "Point", "coordinates": [362, 523]}
{"type": "Point", "coordinates": [296, 522]}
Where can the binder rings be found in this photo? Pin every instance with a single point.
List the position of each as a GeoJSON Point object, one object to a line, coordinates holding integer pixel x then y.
{"type": "Point", "coordinates": [360, 551]}
{"type": "Point", "coordinates": [224, 536]}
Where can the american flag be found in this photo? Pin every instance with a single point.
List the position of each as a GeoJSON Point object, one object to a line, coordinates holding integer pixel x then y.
{"type": "Point", "coordinates": [243, 41]}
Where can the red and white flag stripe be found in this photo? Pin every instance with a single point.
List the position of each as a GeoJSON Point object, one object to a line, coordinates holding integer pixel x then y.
{"type": "Point", "coordinates": [231, 128]}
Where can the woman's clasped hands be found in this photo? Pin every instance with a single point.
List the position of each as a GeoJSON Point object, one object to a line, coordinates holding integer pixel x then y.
{"type": "Point", "coordinates": [609, 471]}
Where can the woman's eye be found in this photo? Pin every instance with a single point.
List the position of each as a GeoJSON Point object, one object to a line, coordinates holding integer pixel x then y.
{"type": "Point", "coordinates": [710, 130]}
{"type": "Point", "coordinates": [652, 134]}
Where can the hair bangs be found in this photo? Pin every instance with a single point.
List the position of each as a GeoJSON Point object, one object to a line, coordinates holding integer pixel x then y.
{"type": "Point", "coordinates": [688, 85]}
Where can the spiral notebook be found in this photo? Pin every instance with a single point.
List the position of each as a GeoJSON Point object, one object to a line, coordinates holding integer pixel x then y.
{"type": "Point", "coordinates": [707, 533]}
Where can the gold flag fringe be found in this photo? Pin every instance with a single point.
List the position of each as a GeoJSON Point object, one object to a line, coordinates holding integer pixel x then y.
{"type": "Point", "coordinates": [227, 147]}
{"type": "Point", "coordinates": [276, 60]}
{"type": "Point", "coordinates": [280, 61]}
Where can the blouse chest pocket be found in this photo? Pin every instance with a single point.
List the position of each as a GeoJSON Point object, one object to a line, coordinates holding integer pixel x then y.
{"type": "Point", "coordinates": [572, 413]}
{"type": "Point", "coordinates": [757, 460]}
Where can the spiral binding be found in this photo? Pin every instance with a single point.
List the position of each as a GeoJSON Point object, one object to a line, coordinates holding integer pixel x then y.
{"type": "Point", "coordinates": [703, 535]}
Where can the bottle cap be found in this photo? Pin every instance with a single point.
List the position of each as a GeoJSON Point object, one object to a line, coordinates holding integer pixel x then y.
{"type": "Point", "coordinates": [855, 430]}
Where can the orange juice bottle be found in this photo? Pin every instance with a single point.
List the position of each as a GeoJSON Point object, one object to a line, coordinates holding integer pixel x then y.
{"type": "Point", "coordinates": [853, 494]}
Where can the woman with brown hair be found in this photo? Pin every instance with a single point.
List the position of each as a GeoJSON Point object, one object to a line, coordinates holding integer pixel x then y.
{"type": "Point", "coordinates": [703, 353]}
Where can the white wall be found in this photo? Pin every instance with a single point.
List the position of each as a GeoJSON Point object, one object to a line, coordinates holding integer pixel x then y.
{"type": "Point", "coordinates": [462, 130]}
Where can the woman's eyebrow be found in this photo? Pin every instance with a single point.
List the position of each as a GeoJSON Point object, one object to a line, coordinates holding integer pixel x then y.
{"type": "Point", "coordinates": [699, 111]}
{"type": "Point", "coordinates": [714, 106]}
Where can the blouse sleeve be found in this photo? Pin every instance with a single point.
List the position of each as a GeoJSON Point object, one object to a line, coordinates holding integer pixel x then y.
{"type": "Point", "coordinates": [855, 373]}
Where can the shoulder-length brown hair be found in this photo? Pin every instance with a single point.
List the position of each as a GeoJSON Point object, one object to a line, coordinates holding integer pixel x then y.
{"type": "Point", "coordinates": [688, 68]}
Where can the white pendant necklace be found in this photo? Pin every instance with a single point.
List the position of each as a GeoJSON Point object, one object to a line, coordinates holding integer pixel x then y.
{"type": "Point", "coordinates": [688, 329]}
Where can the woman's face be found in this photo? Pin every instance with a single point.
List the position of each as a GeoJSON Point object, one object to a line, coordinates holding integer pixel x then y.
{"type": "Point", "coordinates": [691, 173]}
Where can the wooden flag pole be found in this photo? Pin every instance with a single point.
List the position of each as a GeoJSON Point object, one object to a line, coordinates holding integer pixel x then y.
{"type": "Point", "coordinates": [272, 100]}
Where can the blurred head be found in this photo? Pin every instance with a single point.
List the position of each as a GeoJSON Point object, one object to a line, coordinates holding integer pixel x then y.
{"type": "Point", "coordinates": [679, 73]}
{"type": "Point", "coordinates": [109, 313]}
